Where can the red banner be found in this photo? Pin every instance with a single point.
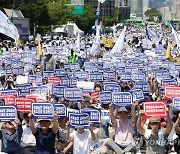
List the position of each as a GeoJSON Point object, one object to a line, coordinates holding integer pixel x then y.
{"type": "Point", "coordinates": [157, 109]}
{"type": "Point", "coordinates": [23, 104]}
{"type": "Point", "coordinates": [9, 99]}
{"type": "Point", "coordinates": [54, 80]}
{"type": "Point", "coordinates": [37, 97]}
{"type": "Point", "coordinates": [171, 92]}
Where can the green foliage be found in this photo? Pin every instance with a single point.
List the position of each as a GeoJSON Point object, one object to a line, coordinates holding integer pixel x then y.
{"type": "Point", "coordinates": [153, 12]}
{"type": "Point", "coordinates": [86, 21]}
{"type": "Point", "coordinates": [110, 21]}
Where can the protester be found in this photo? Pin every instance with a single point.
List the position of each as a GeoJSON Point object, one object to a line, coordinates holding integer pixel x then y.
{"type": "Point", "coordinates": [45, 136]}
{"type": "Point", "coordinates": [177, 130]}
{"type": "Point", "coordinates": [155, 138]}
{"type": "Point", "coordinates": [11, 137]}
{"type": "Point", "coordinates": [124, 128]}
{"type": "Point", "coordinates": [49, 62]}
{"type": "Point", "coordinates": [28, 141]}
{"type": "Point", "coordinates": [72, 57]}
{"type": "Point", "coordinates": [81, 139]}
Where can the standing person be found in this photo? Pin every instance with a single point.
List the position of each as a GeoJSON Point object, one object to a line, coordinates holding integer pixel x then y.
{"type": "Point", "coordinates": [82, 139]}
{"type": "Point", "coordinates": [45, 136]}
{"type": "Point", "coordinates": [28, 141]}
{"type": "Point", "coordinates": [154, 137]}
{"type": "Point", "coordinates": [11, 137]}
{"type": "Point", "coordinates": [49, 62]}
{"type": "Point", "coordinates": [72, 57]}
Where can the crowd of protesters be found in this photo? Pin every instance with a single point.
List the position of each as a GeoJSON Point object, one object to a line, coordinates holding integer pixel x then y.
{"type": "Point", "coordinates": [126, 131]}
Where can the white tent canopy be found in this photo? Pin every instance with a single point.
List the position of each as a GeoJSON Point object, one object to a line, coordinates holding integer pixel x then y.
{"type": "Point", "coordinates": [70, 28]}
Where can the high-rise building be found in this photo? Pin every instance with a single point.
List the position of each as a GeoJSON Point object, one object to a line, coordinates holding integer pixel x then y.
{"type": "Point", "coordinates": [156, 3]}
{"type": "Point", "coordinates": [136, 7]}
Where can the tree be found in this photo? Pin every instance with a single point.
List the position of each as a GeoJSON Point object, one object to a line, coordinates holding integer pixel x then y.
{"type": "Point", "coordinates": [86, 21]}
{"type": "Point", "coordinates": [153, 13]}
{"type": "Point", "coordinates": [58, 12]}
{"type": "Point", "coordinates": [37, 14]}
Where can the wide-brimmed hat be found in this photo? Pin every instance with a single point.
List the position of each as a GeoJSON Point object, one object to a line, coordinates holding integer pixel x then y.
{"type": "Point", "coordinates": [122, 109]}
{"type": "Point", "coordinates": [154, 119]}
{"type": "Point", "coordinates": [39, 120]}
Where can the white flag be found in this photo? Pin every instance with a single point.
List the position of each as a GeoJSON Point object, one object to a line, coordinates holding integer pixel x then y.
{"type": "Point", "coordinates": [96, 45]}
{"type": "Point", "coordinates": [119, 45]}
{"type": "Point", "coordinates": [7, 27]}
{"type": "Point", "coordinates": [101, 1]}
{"type": "Point", "coordinates": [78, 42]}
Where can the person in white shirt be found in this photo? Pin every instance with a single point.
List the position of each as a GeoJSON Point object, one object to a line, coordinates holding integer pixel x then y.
{"type": "Point", "coordinates": [28, 140]}
{"type": "Point", "coordinates": [82, 139]}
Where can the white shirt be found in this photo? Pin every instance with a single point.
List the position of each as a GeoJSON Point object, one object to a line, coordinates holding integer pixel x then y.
{"type": "Point", "coordinates": [82, 142]}
{"type": "Point", "coordinates": [27, 139]}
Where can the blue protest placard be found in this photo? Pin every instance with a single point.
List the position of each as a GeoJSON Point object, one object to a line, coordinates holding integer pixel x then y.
{"type": "Point", "coordinates": [161, 73]}
{"type": "Point", "coordinates": [24, 88]}
{"type": "Point", "coordinates": [9, 92]}
{"type": "Point", "coordinates": [120, 70]}
{"type": "Point", "coordinates": [105, 114]}
{"type": "Point", "coordinates": [144, 86]}
{"type": "Point", "coordinates": [58, 90]}
{"type": "Point", "coordinates": [74, 67]}
{"type": "Point", "coordinates": [131, 69]}
{"type": "Point", "coordinates": [8, 71]}
{"type": "Point", "coordinates": [168, 82]}
{"type": "Point", "coordinates": [161, 91]}
{"type": "Point", "coordinates": [105, 97]}
{"type": "Point", "coordinates": [42, 90]}
{"type": "Point", "coordinates": [42, 110]}
{"type": "Point", "coordinates": [94, 114]}
{"type": "Point", "coordinates": [73, 94]}
{"type": "Point", "coordinates": [137, 94]}
{"type": "Point", "coordinates": [18, 70]}
{"type": "Point", "coordinates": [47, 74]}
{"type": "Point", "coordinates": [138, 76]}
{"type": "Point", "coordinates": [81, 75]}
{"type": "Point", "coordinates": [126, 76]}
{"type": "Point", "coordinates": [64, 81]}
{"type": "Point", "coordinates": [35, 79]}
{"type": "Point", "coordinates": [176, 103]}
{"type": "Point", "coordinates": [96, 77]}
{"type": "Point", "coordinates": [28, 67]}
{"type": "Point", "coordinates": [8, 113]}
{"type": "Point", "coordinates": [72, 82]}
{"type": "Point", "coordinates": [122, 98]}
{"type": "Point", "coordinates": [109, 75]}
{"type": "Point", "coordinates": [112, 87]}
{"type": "Point", "coordinates": [58, 72]}
{"type": "Point", "coordinates": [108, 65]}
{"type": "Point", "coordinates": [60, 110]}
{"type": "Point", "coordinates": [67, 66]}
{"type": "Point", "coordinates": [79, 120]}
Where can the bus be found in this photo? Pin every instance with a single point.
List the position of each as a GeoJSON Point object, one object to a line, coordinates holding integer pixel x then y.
{"type": "Point", "coordinates": [175, 21]}
{"type": "Point", "coordinates": [138, 22]}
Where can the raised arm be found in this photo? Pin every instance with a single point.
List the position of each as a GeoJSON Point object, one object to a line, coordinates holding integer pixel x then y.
{"type": "Point", "coordinates": [134, 105]}
{"type": "Point", "coordinates": [169, 123]}
{"type": "Point", "coordinates": [140, 128]}
{"type": "Point", "coordinates": [55, 126]}
{"type": "Point", "coordinates": [112, 117]}
{"type": "Point", "coordinates": [176, 125]}
{"type": "Point", "coordinates": [31, 123]}
{"type": "Point", "coordinates": [93, 136]}
{"type": "Point", "coordinates": [68, 132]}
